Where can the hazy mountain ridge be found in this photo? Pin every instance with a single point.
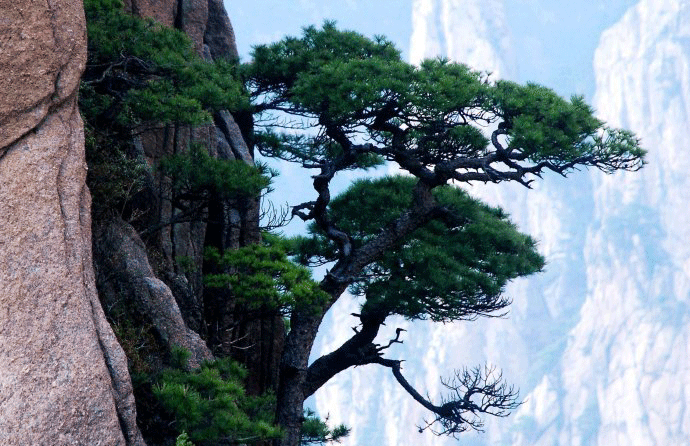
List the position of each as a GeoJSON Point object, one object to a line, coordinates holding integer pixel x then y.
{"type": "Point", "coordinates": [634, 361]}
{"type": "Point", "coordinates": [472, 31]}
{"type": "Point", "coordinates": [624, 375]}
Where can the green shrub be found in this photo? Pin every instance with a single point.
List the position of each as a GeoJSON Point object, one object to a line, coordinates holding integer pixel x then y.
{"type": "Point", "coordinates": [197, 175]}
{"type": "Point", "coordinates": [183, 440]}
{"type": "Point", "coordinates": [316, 431]}
{"type": "Point", "coordinates": [209, 404]}
{"type": "Point", "coordinates": [261, 276]}
{"type": "Point", "coordinates": [141, 75]}
{"type": "Point", "coordinates": [148, 73]}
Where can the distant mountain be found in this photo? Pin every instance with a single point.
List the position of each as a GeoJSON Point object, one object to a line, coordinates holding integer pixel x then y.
{"type": "Point", "coordinates": [471, 31]}
{"type": "Point", "coordinates": [599, 343]}
{"type": "Point", "coordinates": [624, 377]}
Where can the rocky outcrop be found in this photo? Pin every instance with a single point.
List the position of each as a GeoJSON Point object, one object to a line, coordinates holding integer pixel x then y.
{"type": "Point", "coordinates": [175, 250]}
{"type": "Point", "coordinates": [63, 376]}
{"type": "Point", "coordinates": [172, 247]}
{"type": "Point", "coordinates": [204, 21]}
{"type": "Point", "coordinates": [126, 275]}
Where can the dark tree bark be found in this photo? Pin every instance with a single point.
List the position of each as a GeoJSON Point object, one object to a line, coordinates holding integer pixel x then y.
{"type": "Point", "coordinates": [295, 385]}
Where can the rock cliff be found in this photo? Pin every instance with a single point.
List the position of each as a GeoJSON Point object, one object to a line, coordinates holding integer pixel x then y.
{"type": "Point", "coordinates": [173, 252]}
{"type": "Point", "coordinates": [63, 377]}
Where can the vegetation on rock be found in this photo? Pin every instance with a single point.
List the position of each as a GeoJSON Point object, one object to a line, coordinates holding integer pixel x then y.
{"type": "Point", "coordinates": [210, 406]}
{"type": "Point", "coordinates": [264, 279]}
{"type": "Point", "coordinates": [415, 246]}
{"type": "Point", "coordinates": [142, 75]}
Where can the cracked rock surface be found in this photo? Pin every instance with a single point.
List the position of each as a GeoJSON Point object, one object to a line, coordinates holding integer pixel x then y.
{"type": "Point", "coordinates": [63, 377]}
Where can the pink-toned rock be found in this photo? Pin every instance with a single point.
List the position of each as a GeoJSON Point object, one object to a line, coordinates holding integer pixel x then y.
{"type": "Point", "coordinates": [163, 11]}
{"type": "Point", "coordinates": [63, 377]}
{"type": "Point", "coordinates": [204, 21]}
{"type": "Point", "coordinates": [41, 58]}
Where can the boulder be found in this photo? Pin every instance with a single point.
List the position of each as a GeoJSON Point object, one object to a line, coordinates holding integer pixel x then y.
{"type": "Point", "coordinates": [63, 376]}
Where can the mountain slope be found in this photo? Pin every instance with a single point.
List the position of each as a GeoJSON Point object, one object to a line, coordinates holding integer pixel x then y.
{"type": "Point", "coordinates": [630, 350]}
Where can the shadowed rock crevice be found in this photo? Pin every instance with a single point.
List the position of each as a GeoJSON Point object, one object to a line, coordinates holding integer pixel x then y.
{"type": "Point", "coordinates": [126, 280]}
{"type": "Point", "coordinates": [173, 246]}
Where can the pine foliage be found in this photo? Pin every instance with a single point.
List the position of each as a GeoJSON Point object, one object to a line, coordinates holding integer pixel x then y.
{"type": "Point", "coordinates": [141, 75]}
{"type": "Point", "coordinates": [455, 267]}
{"type": "Point", "coordinates": [197, 175]}
{"type": "Point", "coordinates": [429, 116]}
{"type": "Point", "coordinates": [263, 277]}
{"type": "Point", "coordinates": [210, 406]}
{"type": "Point", "coordinates": [151, 73]}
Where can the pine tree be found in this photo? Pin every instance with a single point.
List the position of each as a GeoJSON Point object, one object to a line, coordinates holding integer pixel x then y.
{"type": "Point", "coordinates": [414, 246]}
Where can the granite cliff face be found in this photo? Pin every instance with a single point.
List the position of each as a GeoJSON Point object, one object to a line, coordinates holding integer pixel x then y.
{"type": "Point", "coordinates": [623, 376]}
{"type": "Point", "coordinates": [598, 343]}
{"type": "Point", "coordinates": [63, 377]}
{"type": "Point", "coordinates": [204, 21]}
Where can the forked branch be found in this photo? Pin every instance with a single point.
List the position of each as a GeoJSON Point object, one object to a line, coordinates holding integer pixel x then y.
{"type": "Point", "coordinates": [474, 392]}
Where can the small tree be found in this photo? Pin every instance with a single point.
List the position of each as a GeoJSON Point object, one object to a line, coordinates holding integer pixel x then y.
{"type": "Point", "coordinates": [412, 246]}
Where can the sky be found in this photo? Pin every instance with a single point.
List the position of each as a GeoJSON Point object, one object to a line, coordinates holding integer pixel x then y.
{"type": "Point", "coordinates": [554, 40]}
{"type": "Point", "coordinates": [266, 21]}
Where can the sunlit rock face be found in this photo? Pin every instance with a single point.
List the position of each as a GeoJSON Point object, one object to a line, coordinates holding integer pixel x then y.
{"type": "Point", "coordinates": [599, 343]}
{"type": "Point", "coordinates": [63, 376]}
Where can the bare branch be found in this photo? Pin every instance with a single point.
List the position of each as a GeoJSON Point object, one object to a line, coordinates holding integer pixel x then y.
{"type": "Point", "coordinates": [395, 340]}
{"type": "Point", "coordinates": [273, 217]}
{"type": "Point", "coordinates": [474, 392]}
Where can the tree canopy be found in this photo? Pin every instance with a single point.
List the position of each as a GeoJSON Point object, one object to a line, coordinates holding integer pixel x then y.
{"type": "Point", "coordinates": [362, 101]}
{"type": "Point", "coordinates": [453, 268]}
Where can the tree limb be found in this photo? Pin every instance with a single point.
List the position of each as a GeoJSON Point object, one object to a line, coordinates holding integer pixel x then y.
{"type": "Point", "coordinates": [474, 392]}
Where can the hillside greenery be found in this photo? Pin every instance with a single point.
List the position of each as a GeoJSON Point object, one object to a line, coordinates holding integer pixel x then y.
{"type": "Point", "coordinates": [142, 75]}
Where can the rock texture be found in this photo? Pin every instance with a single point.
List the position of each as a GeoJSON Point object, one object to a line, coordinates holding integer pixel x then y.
{"type": "Point", "coordinates": [63, 377]}
{"type": "Point", "coordinates": [204, 21]}
{"type": "Point", "coordinates": [126, 274]}
{"type": "Point", "coordinates": [208, 25]}
{"type": "Point", "coordinates": [172, 248]}
{"type": "Point", "coordinates": [36, 78]}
